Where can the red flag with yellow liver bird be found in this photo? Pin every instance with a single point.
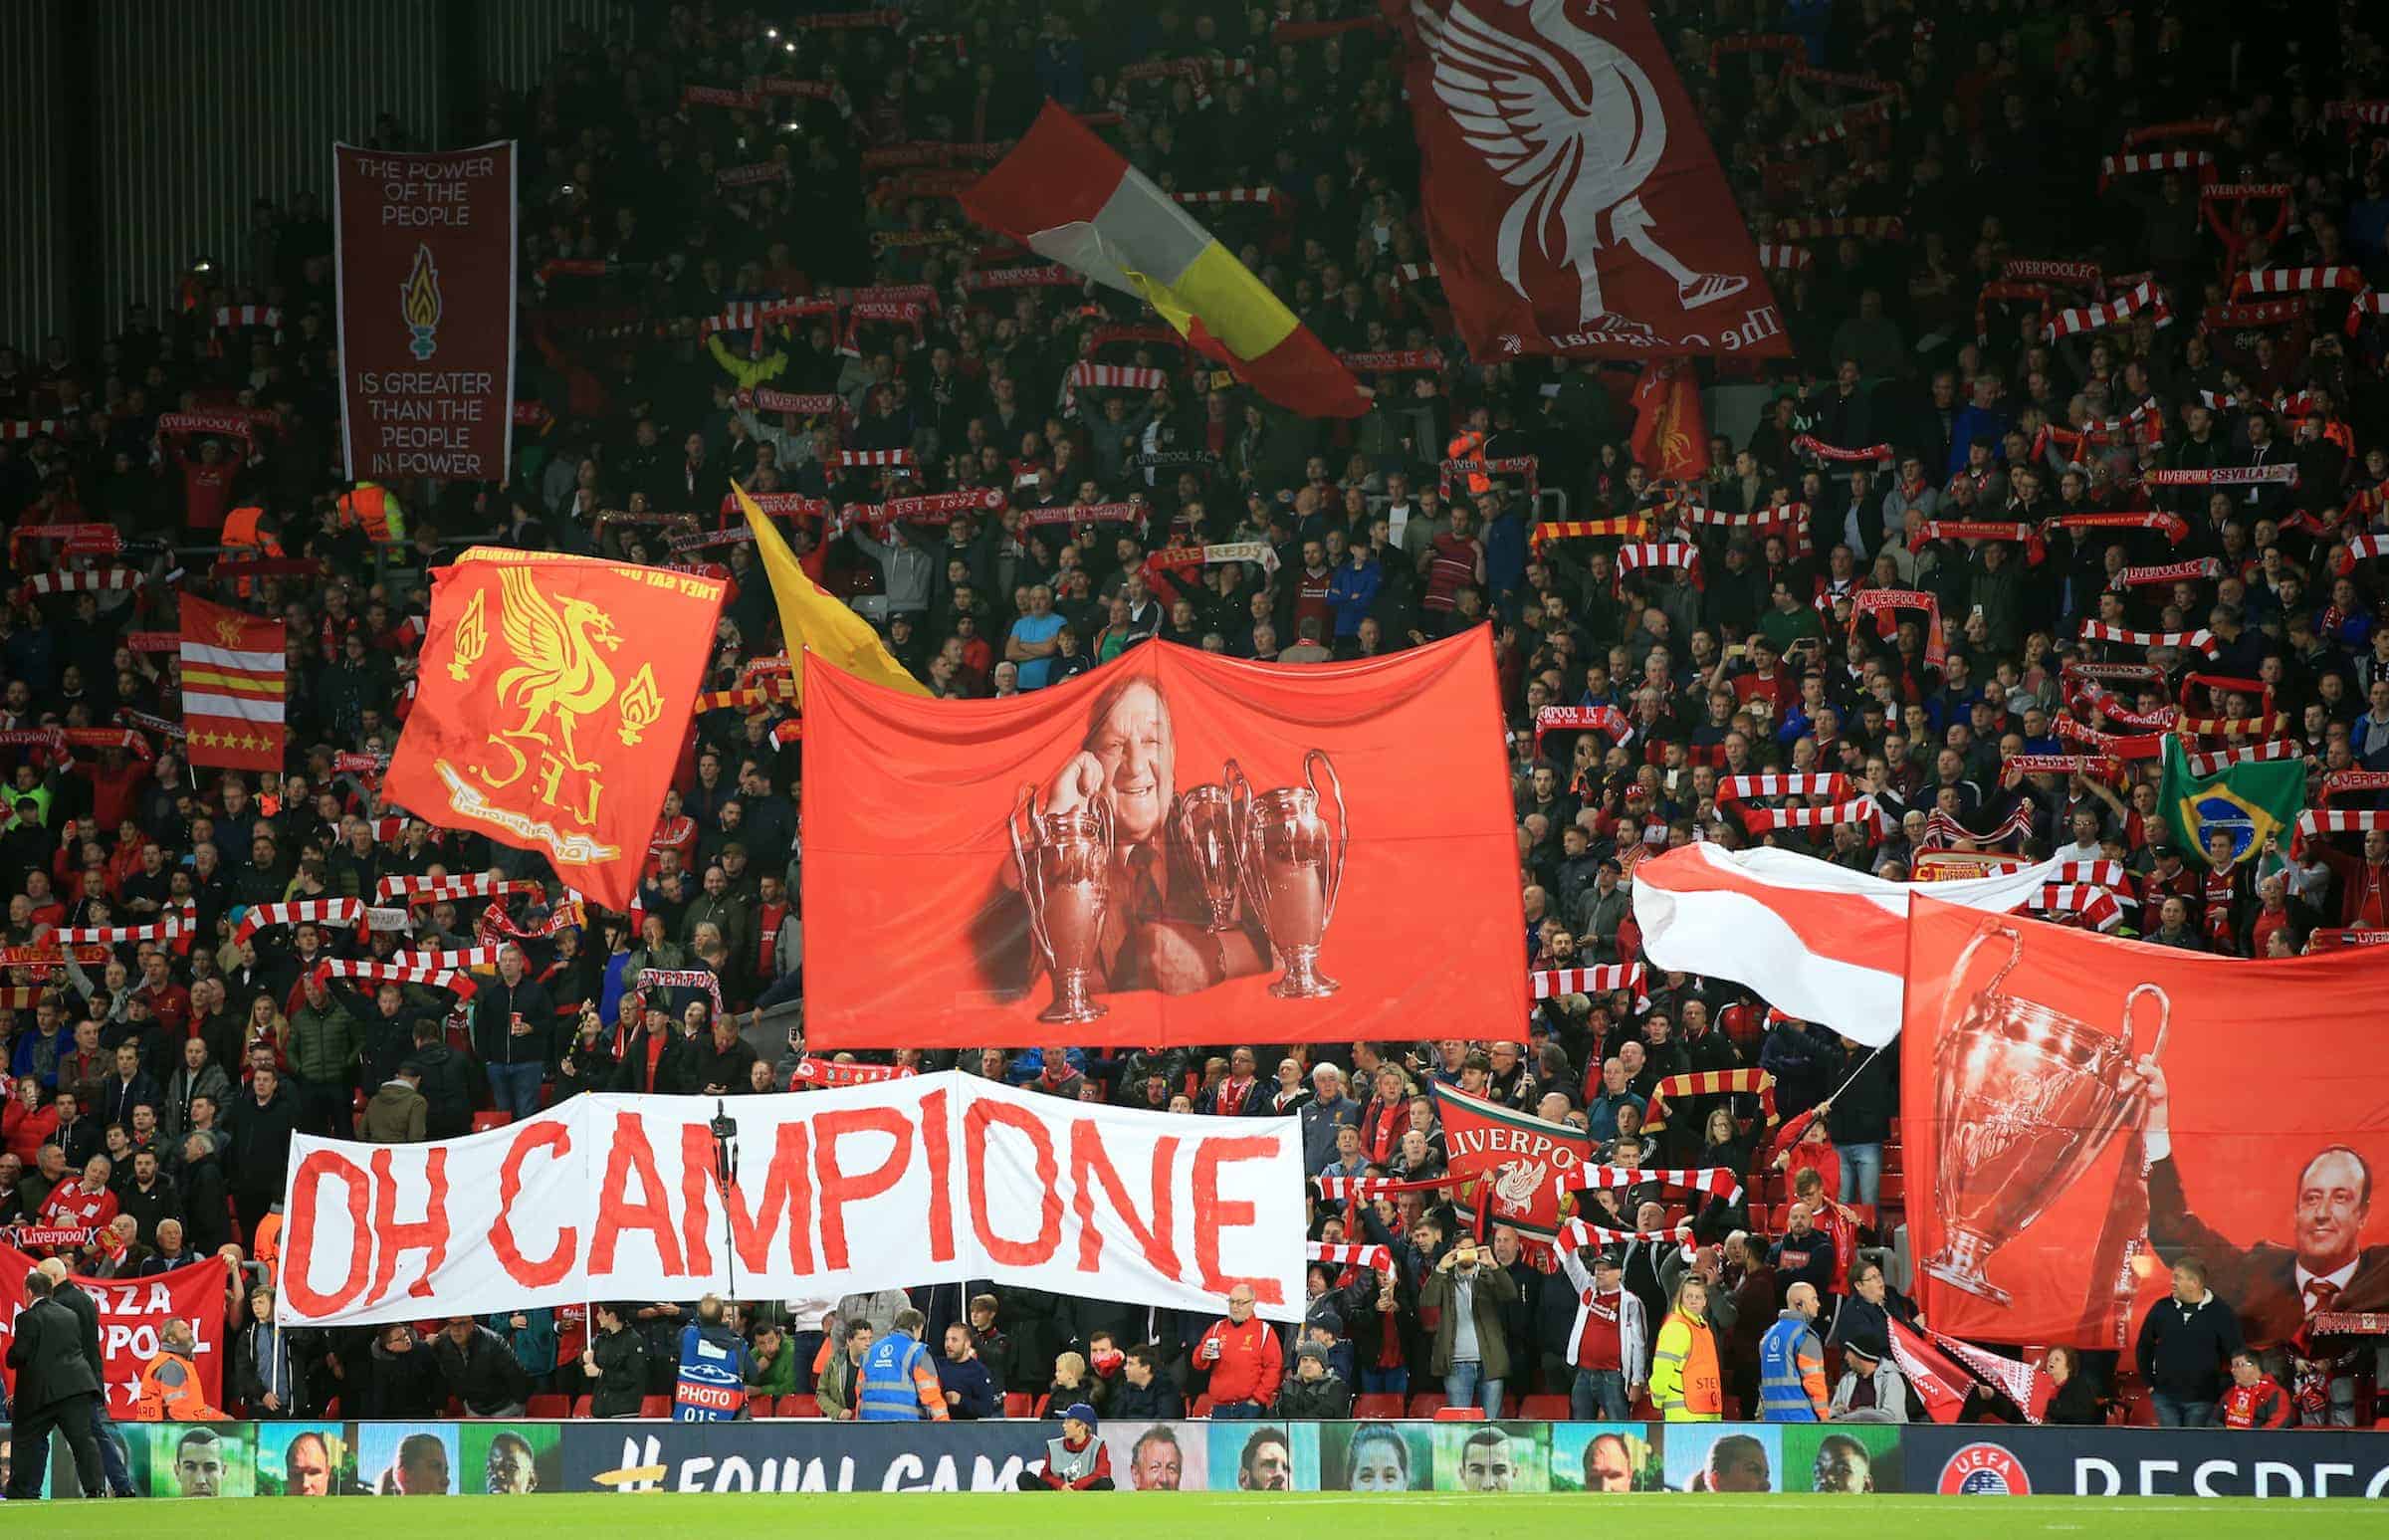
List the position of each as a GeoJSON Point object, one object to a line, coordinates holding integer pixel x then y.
{"type": "Point", "coordinates": [554, 693]}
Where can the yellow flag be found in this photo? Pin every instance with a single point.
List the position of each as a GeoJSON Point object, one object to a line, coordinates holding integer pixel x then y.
{"type": "Point", "coordinates": [816, 622]}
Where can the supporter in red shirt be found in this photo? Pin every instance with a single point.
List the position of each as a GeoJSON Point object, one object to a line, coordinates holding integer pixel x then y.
{"type": "Point", "coordinates": [88, 1201]}
{"type": "Point", "coordinates": [1243, 1357]}
{"type": "Point", "coordinates": [2255, 1398]}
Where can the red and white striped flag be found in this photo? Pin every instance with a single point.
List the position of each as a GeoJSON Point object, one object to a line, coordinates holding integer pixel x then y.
{"type": "Point", "coordinates": [233, 687]}
{"type": "Point", "coordinates": [1551, 983]}
{"type": "Point", "coordinates": [1822, 942]}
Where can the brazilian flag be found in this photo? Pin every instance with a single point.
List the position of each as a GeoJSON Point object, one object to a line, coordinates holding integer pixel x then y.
{"type": "Point", "coordinates": [2246, 802]}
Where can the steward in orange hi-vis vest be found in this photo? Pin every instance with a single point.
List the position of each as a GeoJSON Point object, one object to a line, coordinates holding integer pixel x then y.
{"type": "Point", "coordinates": [555, 695]}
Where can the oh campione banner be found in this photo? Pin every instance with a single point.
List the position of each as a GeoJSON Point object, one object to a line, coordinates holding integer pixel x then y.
{"type": "Point", "coordinates": [426, 267]}
{"type": "Point", "coordinates": [934, 1179]}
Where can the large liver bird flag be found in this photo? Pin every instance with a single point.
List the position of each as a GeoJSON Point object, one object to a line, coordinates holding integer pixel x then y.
{"type": "Point", "coordinates": [554, 693]}
{"type": "Point", "coordinates": [1573, 203]}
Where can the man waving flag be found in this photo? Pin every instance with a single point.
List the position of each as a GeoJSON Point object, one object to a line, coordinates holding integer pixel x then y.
{"type": "Point", "coordinates": [1072, 199]}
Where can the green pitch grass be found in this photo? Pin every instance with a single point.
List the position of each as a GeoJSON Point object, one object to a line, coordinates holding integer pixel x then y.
{"type": "Point", "coordinates": [1026, 1516]}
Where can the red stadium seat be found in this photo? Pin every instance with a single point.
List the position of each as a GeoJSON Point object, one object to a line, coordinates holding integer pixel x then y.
{"type": "Point", "coordinates": [538, 1406]}
{"type": "Point", "coordinates": [1426, 1403]}
{"type": "Point", "coordinates": [1044, 1400]}
{"type": "Point", "coordinates": [1891, 1158]}
{"type": "Point", "coordinates": [1383, 1405]}
{"type": "Point", "coordinates": [800, 1405]}
{"type": "Point", "coordinates": [584, 1404]}
{"type": "Point", "coordinates": [1459, 1414]}
{"type": "Point", "coordinates": [1896, 1185]}
{"type": "Point", "coordinates": [765, 1406]}
{"type": "Point", "coordinates": [483, 1122]}
{"type": "Point", "coordinates": [1201, 1406]}
{"type": "Point", "coordinates": [656, 1406]}
{"type": "Point", "coordinates": [1544, 1409]}
{"type": "Point", "coordinates": [1020, 1403]}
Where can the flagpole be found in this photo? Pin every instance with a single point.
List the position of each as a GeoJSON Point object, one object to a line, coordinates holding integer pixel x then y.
{"type": "Point", "coordinates": [1861, 1069]}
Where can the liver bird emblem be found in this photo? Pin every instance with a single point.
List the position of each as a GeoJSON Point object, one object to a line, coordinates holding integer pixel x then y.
{"type": "Point", "coordinates": [1515, 1189]}
{"type": "Point", "coordinates": [559, 673]}
{"type": "Point", "coordinates": [1576, 125]}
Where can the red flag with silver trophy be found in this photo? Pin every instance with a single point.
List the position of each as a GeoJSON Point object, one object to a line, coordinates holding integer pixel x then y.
{"type": "Point", "coordinates": [1573, 203]}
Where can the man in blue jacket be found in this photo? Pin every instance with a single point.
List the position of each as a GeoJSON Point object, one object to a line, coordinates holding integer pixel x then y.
{"type": "Point", "coordinates": [971, 1392]}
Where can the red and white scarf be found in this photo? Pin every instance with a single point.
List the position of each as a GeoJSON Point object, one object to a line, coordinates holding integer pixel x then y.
{"type": "Point", "coordinates": [1783, 256]}
{"type": "Point", "coordinates": [1051, 274]}
{"type": "Point", "coordinates": [2203, 569]}
{"type": "Point", "coordinates": [2199, 160]}
{"type": "Point", "coordinates": [829, 1073]}
{"type": "Point", "coordinates": [1869, 602]}
{"type": "Point", "coordinates": [1376, 1258]}
{"type": "Point", "coordinates": [1716, 1180]}
{"type": "Point", "coordinates": [2062, 765]}
{"type": "Point", "coordinates": [2201, 640]}
{"type": "Point", "coordinates": [1735, 789]}
{"type": "Point", "coordinates": [2284, 474]}
{"type": "Point", "coordinates": [1941, 830]}
{"type": "Point", "coordinates": [1683, 555]}
{"type": "Point", "coordinates": [1817, 448]}
{"type": "Point", "coordinates": [430, 889]}
{"type": "Point", "coordinates": [1508, 464]}
{"type": "Point", "coordinates": [1607, 978]}
{"type": "Point", "coordinates": [1583, 719]}
{"type": "Point", "coordinates": [463, 986]}
{"type": "Point", "coordinates": [339, 913]}
{"type": "Point", "coordinates": [2098, 317]}
{"type": "Point", "coordinates": [2174, 529]}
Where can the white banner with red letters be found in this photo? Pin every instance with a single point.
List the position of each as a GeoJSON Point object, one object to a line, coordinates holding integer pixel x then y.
{"type": "Point", "coordinates": [933, 1179]}
{"type": "Point", "coordinates": [133, 1313]}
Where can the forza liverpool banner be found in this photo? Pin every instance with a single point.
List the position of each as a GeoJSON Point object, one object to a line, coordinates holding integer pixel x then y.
{"type": "Point", "coordinates": [1574, 205]}
{"type": "Point", "coordinates": [2079, 1115]}
{"type": "Point", "coordinates": [933, 1179]}
{"type": "Point", "coordinates": [424, 265]}
{"type": "Point", "coordinates": [1171, 848]}
{"type": "Point", "coordinates": [555, 694]}
{"type": "Point", "coordinates": [133, 1313]}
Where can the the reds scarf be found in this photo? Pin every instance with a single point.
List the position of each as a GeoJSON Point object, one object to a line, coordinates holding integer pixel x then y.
{"type": "Point", "coordinates": [1586, 719]}
{"type": "Point", "coordinates": [1818, 448]}
{"type": "Point", "coordinates": [1868, 601]}
{"type": "Point", "coordinates": [1572, 202]}
{"type": "Point", "coordinates": [820, 1072]}
{"type": "Point", "coordinates": [2173, 528]}
{"type": "Point", "coordinates": [2061, 764]}
{"type": "Point", "coordinates": [1506, 1161]}
{"type": "Point", "coordinates": [1714, 1180]}
{"type": "Point", "coordinates": [339, 913]}
{"type": "Point", "coordinates": [133, 1313]}
{"type": "Point", "coordinates": [2205, 569]}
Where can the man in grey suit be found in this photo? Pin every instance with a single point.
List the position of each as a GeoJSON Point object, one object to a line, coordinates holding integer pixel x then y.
{"type": "Point", "coordinates": [55, 1388]}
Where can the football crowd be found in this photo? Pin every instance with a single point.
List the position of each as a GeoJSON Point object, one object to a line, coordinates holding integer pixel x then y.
{"type": "Point", "coordinates": [1941, 426]}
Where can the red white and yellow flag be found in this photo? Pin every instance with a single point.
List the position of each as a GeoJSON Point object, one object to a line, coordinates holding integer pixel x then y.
{"type": "Point", "coordinates": [233, 687]}
{"type": "Point", "coordinates": [554, 693]}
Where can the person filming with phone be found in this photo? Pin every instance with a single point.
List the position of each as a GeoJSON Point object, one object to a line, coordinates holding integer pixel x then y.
{"type": "Point", "coordinates": [1472, 1352]}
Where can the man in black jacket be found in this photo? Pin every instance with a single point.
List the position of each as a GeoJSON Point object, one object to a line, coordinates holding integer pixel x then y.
{"type": "Point", "coordinates": [261, 1124]}
{"type": "Point", "coordinates": [514, 1035]}
{"type": "Point", "coordinates": [446, 1085]}
{"type": "Point", "coordinates": [206, 1202]}
{"type": "Point", "coordinates": [55, 1388]}
{"type": "Point", "coordinates": [87, 1317]}
{"type": "Point", "coordinates": [617, 1361]}
{"type": "Point", "coordinates": [480, 1368]}
{"type": "Point", "coordinates": [2185, 1340]}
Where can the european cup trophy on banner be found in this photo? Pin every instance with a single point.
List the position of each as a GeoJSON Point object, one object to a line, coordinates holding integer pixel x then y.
{"type": "Point", "coordinates": [2026, 1100]}
{"type": "Point", "coordinates": [1206, 826]}
{"type": "Point", "coordinates": [1292, 866]}
{"type": "Point", "coordinates": [1064, 865]}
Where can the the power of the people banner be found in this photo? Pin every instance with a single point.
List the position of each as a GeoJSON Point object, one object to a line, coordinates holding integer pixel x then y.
{"type": "Point", "coordinates": [424, 262]}
{"type": "Point", "coordinates": [929, 1179]}
{"type": "Point", "coordinates": [1174, 848]}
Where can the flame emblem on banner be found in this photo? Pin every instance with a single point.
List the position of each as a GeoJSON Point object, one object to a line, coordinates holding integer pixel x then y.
{"type": "Point", "coordinates": [641, 705]}
{"type": "Point", "coordinates": [419, 303]}
{"type": "Point", "coordinates": [472, 638]}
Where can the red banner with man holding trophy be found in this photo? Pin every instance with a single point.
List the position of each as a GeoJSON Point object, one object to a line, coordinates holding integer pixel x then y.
{"type": "Point", "coordinates": [1173, 848]}
{"type": "Point", "coordinates": [2079, 1112]}
{"type": "Point", "coordinates": [1572, 202]}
